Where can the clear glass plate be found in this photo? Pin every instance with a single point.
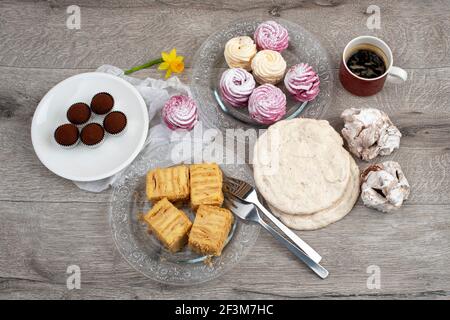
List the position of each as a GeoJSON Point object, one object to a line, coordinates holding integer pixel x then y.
{"type": "Point", "coordinates": [209, 64]}
{"type": "Point", "coordinates": [144, 252]}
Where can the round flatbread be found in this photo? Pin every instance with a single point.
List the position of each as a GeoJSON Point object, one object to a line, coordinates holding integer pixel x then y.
{"type": "Point", "coordinates": [325, 217]}
{"type": "Point", "coordinates": [300, 166]}
{"type": "Point", "coordinates": [334, 204]}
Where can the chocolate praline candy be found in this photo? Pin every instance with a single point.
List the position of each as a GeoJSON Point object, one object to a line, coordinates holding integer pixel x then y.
{"type": "Point", "coordinates": [66, 135]}
{"type": "Point", "coordinates": [102, 103]}
{"type": "Point", "coordinates": [79, 113]}
{"type": "Point", "coordinates": [92, 134]}
{"type": "Point", "coordinates": [115, 122]}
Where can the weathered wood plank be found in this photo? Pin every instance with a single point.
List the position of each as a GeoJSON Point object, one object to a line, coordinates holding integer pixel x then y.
{"type": "Point", "coordinates": [33, 34]}
{"type": "Point", "coordinates": [424, 120]}
{"type": "Point", "coordinates": [28, 180]}
{"type": "Point", "coordinates": [40, 240]}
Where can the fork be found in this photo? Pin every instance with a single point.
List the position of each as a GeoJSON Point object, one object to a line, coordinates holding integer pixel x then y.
{"type": "Point", "coordinates": [247, 194]}
{"type": "Point", "coordinates": [249, 212]}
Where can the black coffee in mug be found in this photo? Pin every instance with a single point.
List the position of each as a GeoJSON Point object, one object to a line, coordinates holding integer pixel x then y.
{"type": "Point", "coordinates": [367, 61]}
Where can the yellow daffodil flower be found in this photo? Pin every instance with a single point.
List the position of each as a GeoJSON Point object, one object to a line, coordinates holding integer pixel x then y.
{"type": "Point", "coordinates": [168, 61]}
{"type": "Point", "coordinates": [171, 62]}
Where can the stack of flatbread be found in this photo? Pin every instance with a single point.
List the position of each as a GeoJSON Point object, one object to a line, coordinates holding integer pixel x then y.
{"type": "Point", "coordinates": [305, 175]}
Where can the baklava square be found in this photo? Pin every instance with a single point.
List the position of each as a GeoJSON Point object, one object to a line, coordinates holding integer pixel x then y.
{"type": "Point", "coordinates": [170, 225]}
{"type": "Point", "coordinates": [206, 185]}
{"type": "Point", "coordinates": [171, 183]}
{"type": "Point", "coordinates": [210, 230]}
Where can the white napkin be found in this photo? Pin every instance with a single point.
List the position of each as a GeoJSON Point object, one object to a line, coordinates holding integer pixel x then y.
{"type": "Point", "coordinates": [155, 93]}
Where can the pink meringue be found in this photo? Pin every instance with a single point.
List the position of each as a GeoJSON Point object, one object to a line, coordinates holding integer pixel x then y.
{"type": "Point", "coordinates": [302, 82]}
{"type": "Point", "coordinates": [236, 86]}
{"type": "Point", "coordinates": [267, 104]}
{"type": "Point", "coordinates": [180, 112]}
{"type": "Point", "coordinates": [272, 36]}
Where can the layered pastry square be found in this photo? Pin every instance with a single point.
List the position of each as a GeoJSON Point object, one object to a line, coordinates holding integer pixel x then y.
{"type": "Point", "coordinates": [210, 230]}
{"type": "Point", "coordinates": [169, 224]}
{"type": "Point", "coordinates": [206, 185]}
{"type": "Point", "coordinates": [171, 183]}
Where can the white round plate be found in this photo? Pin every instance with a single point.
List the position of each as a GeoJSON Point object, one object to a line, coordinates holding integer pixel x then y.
{"type": "Point", "coordinates": [83, 163]}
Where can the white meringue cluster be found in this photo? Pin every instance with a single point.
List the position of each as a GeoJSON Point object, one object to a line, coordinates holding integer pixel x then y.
{"type": "Point", "coordinates": [369, 132]}
{"type": "Point", "coordinates": [384, 186]}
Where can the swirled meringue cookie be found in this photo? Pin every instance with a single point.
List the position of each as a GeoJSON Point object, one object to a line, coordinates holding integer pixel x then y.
{"type": "Point", "coordinates": [272, 36]}
{"type": "Point", "coordinates": [236, 86]}
{"type": "Point", "coordinates": [302, 82]}
{"type": "Point", "coordinates": [268, 67]}
{"type": "Point", "coordinates": [180, 112]}
{"type": "Point", "coordinates": [239, 52]}
{"type": "Point", "coordinates": [267, 104]}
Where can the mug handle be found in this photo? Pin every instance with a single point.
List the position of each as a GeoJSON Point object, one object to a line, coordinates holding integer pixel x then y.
{"type": "Point", "coordinates": [397, 75]}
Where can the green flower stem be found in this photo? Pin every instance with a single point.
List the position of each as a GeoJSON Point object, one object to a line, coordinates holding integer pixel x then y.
{"type": "Point", "coordinates": [145, 65]}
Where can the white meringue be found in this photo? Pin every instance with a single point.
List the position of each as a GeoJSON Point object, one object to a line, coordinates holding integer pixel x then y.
{"type": "Point", "coordinates": [268, 67]}
{"type": "Point", "coordinates": [384, 186]}
{"type": "Point", "coordinates": [239, 52]}
{"type": "Point", "coordinates": [369, 132]}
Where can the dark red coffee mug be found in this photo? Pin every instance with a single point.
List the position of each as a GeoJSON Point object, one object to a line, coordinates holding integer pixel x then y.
{"type": "Point", "coordinates": [366, 87]}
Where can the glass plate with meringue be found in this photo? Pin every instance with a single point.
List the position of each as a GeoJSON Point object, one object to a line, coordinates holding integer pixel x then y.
{"type": "Point", "coordinates": [253, 73]}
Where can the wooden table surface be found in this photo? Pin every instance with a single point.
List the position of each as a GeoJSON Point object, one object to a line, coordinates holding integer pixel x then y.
{"type": "Point", "coordinates": [47, 224]}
